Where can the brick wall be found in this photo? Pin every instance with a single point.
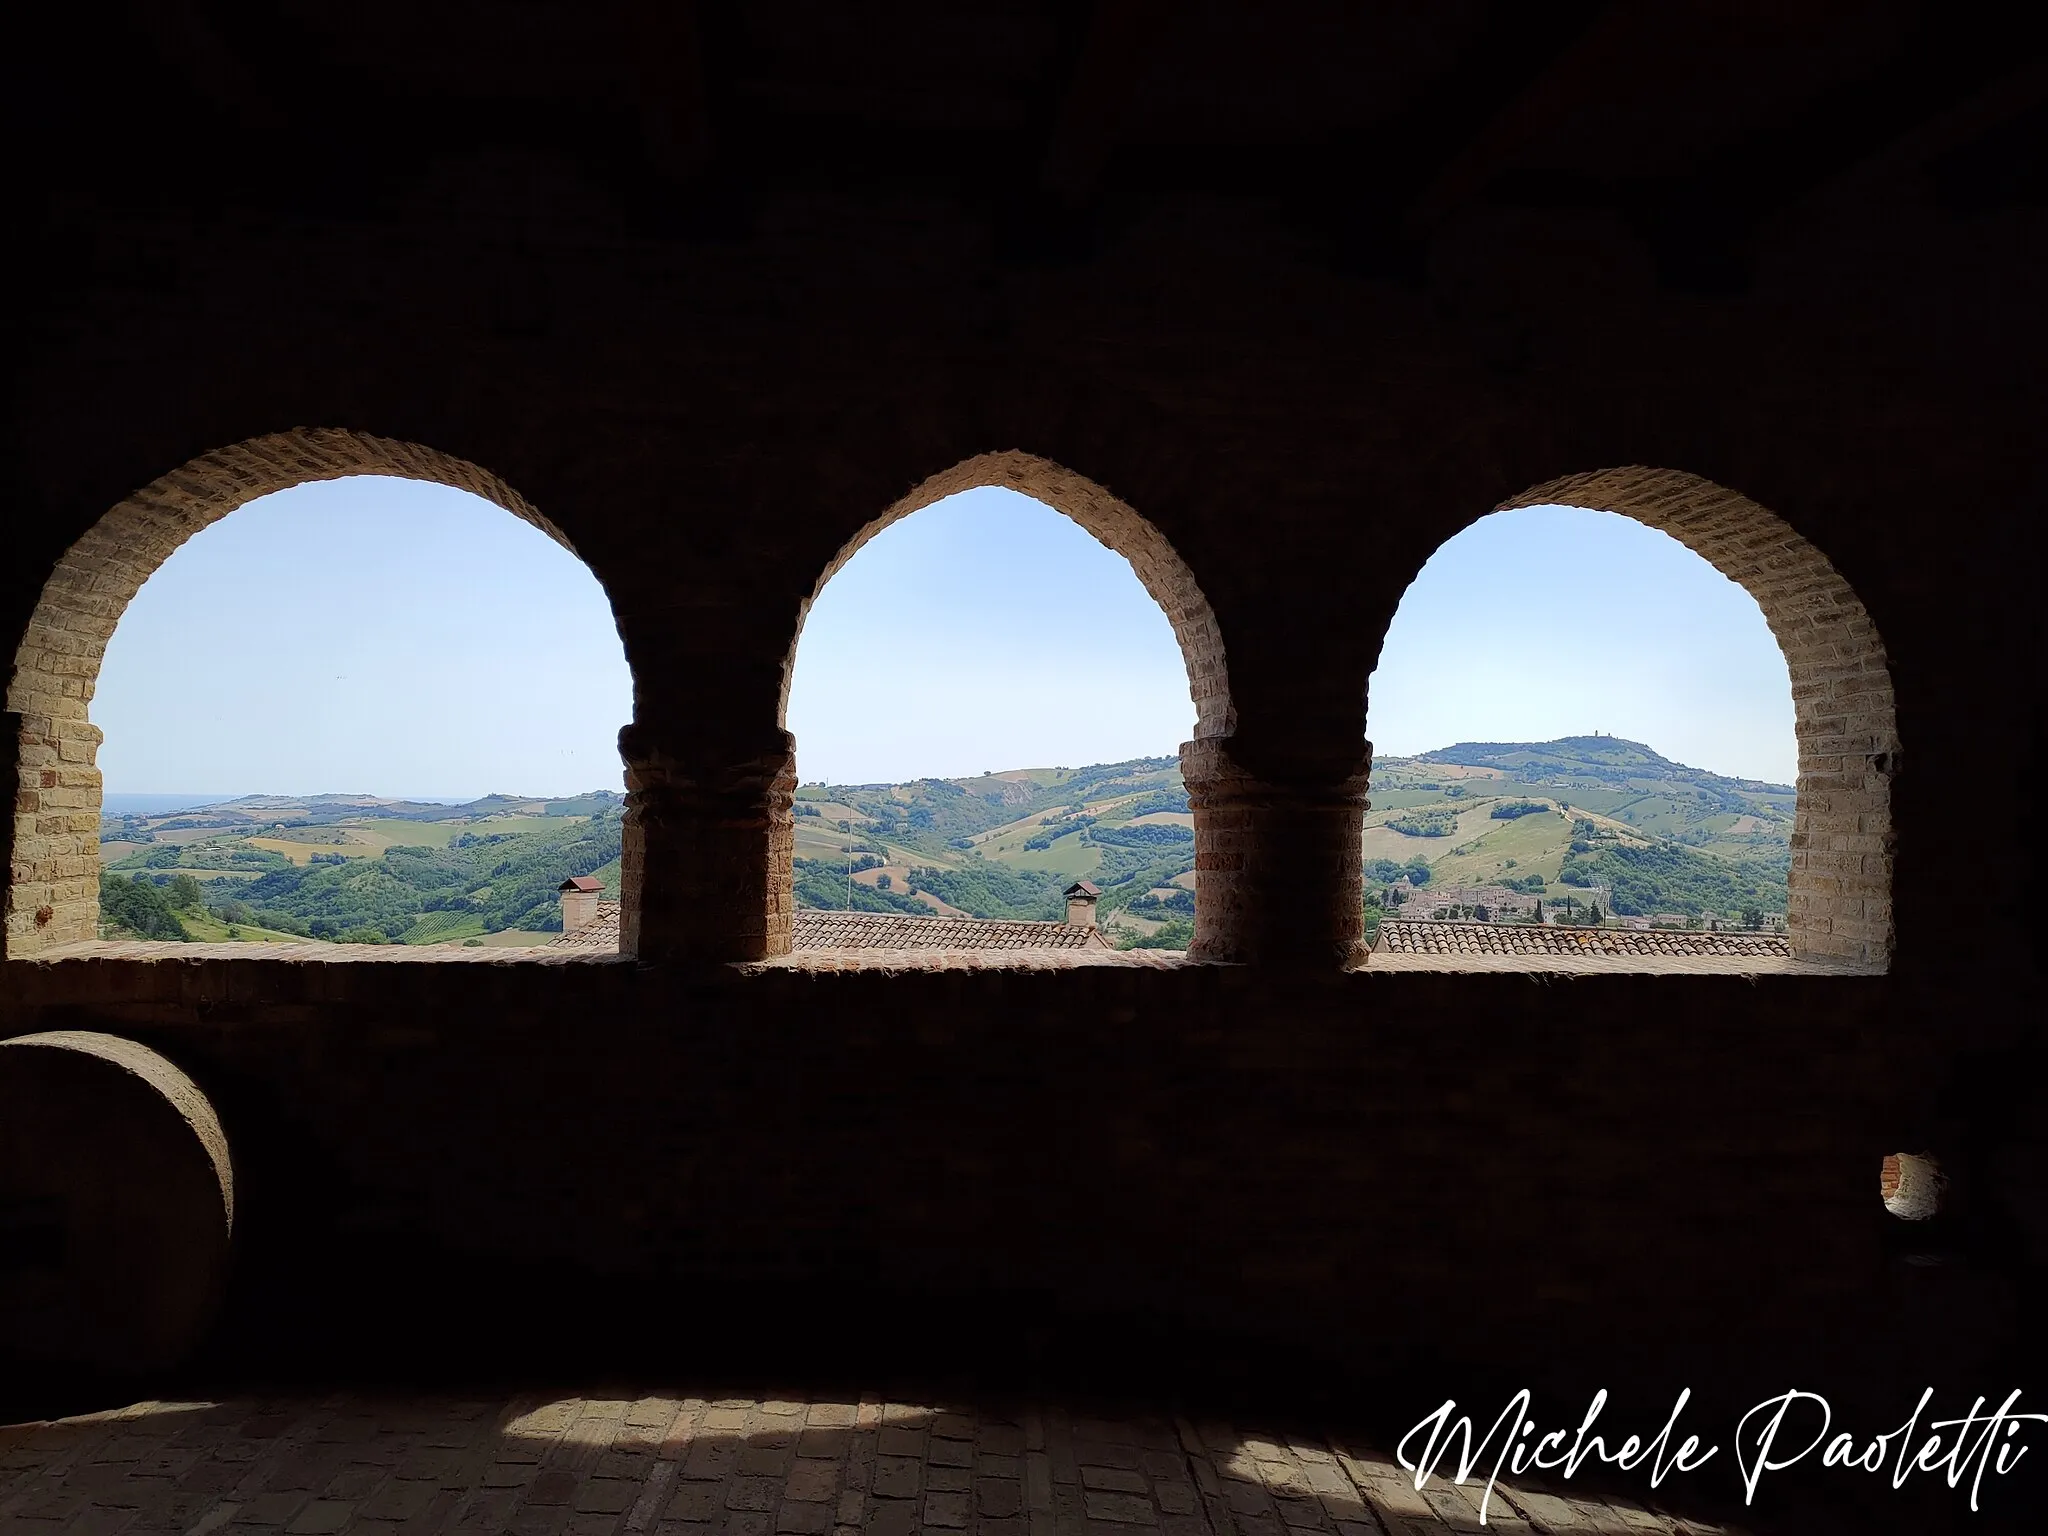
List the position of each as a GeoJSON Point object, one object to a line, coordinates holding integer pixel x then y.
{"type": "Point", "coordinates": [1363, 1164]}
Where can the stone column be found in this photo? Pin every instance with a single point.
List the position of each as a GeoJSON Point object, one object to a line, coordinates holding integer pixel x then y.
{"type": "Point", "coordinates": [708, 846]}
{"type": "Point", "coordinates": [53, 856]}
{"type": "Point", "coordinates": [1277, 857]}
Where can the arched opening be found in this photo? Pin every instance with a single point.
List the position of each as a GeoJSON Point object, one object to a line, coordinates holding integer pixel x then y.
{"type": "Point", "coordinates": [1076, 851]}
{"type": "Point", "coordinates": [55, 886]}
{"type": "Point", "coordinates": [1598, 846]}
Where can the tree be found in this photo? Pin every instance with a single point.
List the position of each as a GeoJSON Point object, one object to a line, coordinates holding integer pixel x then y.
{"type": "Point", "coordinates": [185, 893]}
{"type": "Point", "coordinates": [1538, 918]}
{"type": "Point", "coordinates": [138, 907]}
{"type": "Point", "coordinates": [1593, 913]}
{"type": "Point", "coordinates": [1479, 913]}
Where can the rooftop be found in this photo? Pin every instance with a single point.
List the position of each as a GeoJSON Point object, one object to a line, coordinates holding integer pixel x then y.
{"type": "Point", "coordinates": [879, 930]}
{"type": "Point", "coordinates": [600, 934]}
{"type": "Point", "coordinates": [892, 930]}
{"type": "Point", "coordinates": [1401, 937]}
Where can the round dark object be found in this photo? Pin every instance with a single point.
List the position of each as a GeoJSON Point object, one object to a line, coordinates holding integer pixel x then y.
{"type": "Point", "coordinates": [117, 1203]}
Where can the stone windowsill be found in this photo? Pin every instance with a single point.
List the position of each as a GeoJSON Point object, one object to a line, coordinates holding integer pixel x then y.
{"type": "Point", "coordinates": [1619, 965]}
{"type": "Point", "coordinates": [317, 953]}
{"type": "Point", "coordinates": [830, 961]}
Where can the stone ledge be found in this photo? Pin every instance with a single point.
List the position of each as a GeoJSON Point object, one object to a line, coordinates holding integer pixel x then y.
{"type": "Point", "coordinates": [153, 951]}
{"type": "Point", "coordinates": [909, 961]}
{"type": "Point", "coordinates": [1618, 965]}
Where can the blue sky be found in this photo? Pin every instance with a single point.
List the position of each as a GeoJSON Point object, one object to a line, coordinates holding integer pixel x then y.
{"type": "Point", "coordinates": [1556, 621]}
{"type": "Point", "coordinates": [984, 632]}
{"type": "Point", "coordinates": [365, 635]}
{"type": "Point", "coordinates": [396, 638]}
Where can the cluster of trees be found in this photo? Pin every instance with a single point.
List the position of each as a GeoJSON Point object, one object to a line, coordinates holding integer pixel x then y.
{"type": "Point", "coordinates": [1509, 810]}
{"type": "Point", "coordinates": [1664, 877]}
{"type": "Point", "coordinates": [214, 853]}
{"type": "Point", "coordinates": [1174, 933]}
{"type": "Point", "coordinates": [1052, 831]}
{"type": "Point", "coordinates": [1160, 908]}
{"type": "Point", "coordinates": [1161, 800]}
{"type": "Point", "coordinates": [139, 907]}
{"type": "Point", "coordinates": [1477, 911]}
{"type": "Point", "coordinates": [822, 885]}
{"type": "Point", "coordinates": [503, 880]}
{"type": "Point", "coordinates": [1157, 834]}
{"type": "Point", "coordinates": [1387, 871]}
{"type": "Point", "coordinates": [1437, 822]}
{"type": "Point", "coordinates": [983, 888]}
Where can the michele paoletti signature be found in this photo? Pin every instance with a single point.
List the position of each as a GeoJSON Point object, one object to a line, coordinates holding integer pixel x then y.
{"type": "Point", "coordinates": [1778, 1433]}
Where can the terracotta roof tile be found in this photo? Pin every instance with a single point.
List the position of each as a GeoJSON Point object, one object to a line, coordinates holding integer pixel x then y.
{"type": "Point", "coordinates": [600, 933]}
{"type": "Point", "coordinates": [1432, 938]}
{"type": "Point", "coordinates": [879, 930]}
{"type": "Point", "coordinates": [892, 930]}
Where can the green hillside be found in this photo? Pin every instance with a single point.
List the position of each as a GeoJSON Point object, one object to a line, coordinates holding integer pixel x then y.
{"type": "Point", "coordinates": [999, 845]}
{"type": "Point", "coordinates": [1553, 819]}
{"type": "Point", "coordinates": [355, 869]}
{"type": "Point", "coordinates": [1558, 817]}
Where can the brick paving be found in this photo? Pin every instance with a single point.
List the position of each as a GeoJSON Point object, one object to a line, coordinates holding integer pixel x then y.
{"type": "Point", "coordinates": [689, 1466]}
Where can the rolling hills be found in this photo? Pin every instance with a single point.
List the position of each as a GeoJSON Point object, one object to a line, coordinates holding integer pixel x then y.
{"type": "Point", "coordinates": [356, 868]}
{"type": "Point", "coordinates": [1583, 812]}
{"type": "Point", "coordinates": [1555, 820]}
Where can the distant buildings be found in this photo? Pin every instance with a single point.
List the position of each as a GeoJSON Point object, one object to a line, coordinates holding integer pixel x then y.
{"type": "Point", "coordinates": [1501, 904]}
{"type": "Point", "coordinates": [1491, 903]}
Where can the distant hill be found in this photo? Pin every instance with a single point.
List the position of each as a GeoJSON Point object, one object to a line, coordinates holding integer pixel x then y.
{"type": "Point", "coordinates": [1557, 817]}
{"type": "Point", "coordinates": [357, 868]}
{"type": "Point", "coordinates": [318, 809]}
{"type": "Point", "coordinates": [1609, 760]}
{"type": "Point", "coordinates": [1554, 819]}
{"type": "Point", "coordinates": [1004, 844]}
{"type": "Point", "coordinates": [1550, 819]}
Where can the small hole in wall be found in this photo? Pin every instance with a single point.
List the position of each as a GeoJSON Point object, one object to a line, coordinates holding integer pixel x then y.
{"type": "Point", "coordinates": [1912, 1186]}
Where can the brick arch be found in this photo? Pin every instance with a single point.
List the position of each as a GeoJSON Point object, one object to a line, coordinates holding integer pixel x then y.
{"type": "Point", "coordinates": [1844, 715]}
{"type": "Point", "coordinates": [53, 885]}
{"type": "Point", "coordinates": [1114, 523]}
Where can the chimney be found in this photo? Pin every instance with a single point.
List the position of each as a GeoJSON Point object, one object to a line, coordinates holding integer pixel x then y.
{"type": "Point", "coordinates": [579, 902]}
{"type": "Point", "coordinates": [1081, 899]}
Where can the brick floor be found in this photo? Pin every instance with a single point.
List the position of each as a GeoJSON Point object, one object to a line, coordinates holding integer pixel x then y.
{"type": "Point", "coordinates": [686, 1466]}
